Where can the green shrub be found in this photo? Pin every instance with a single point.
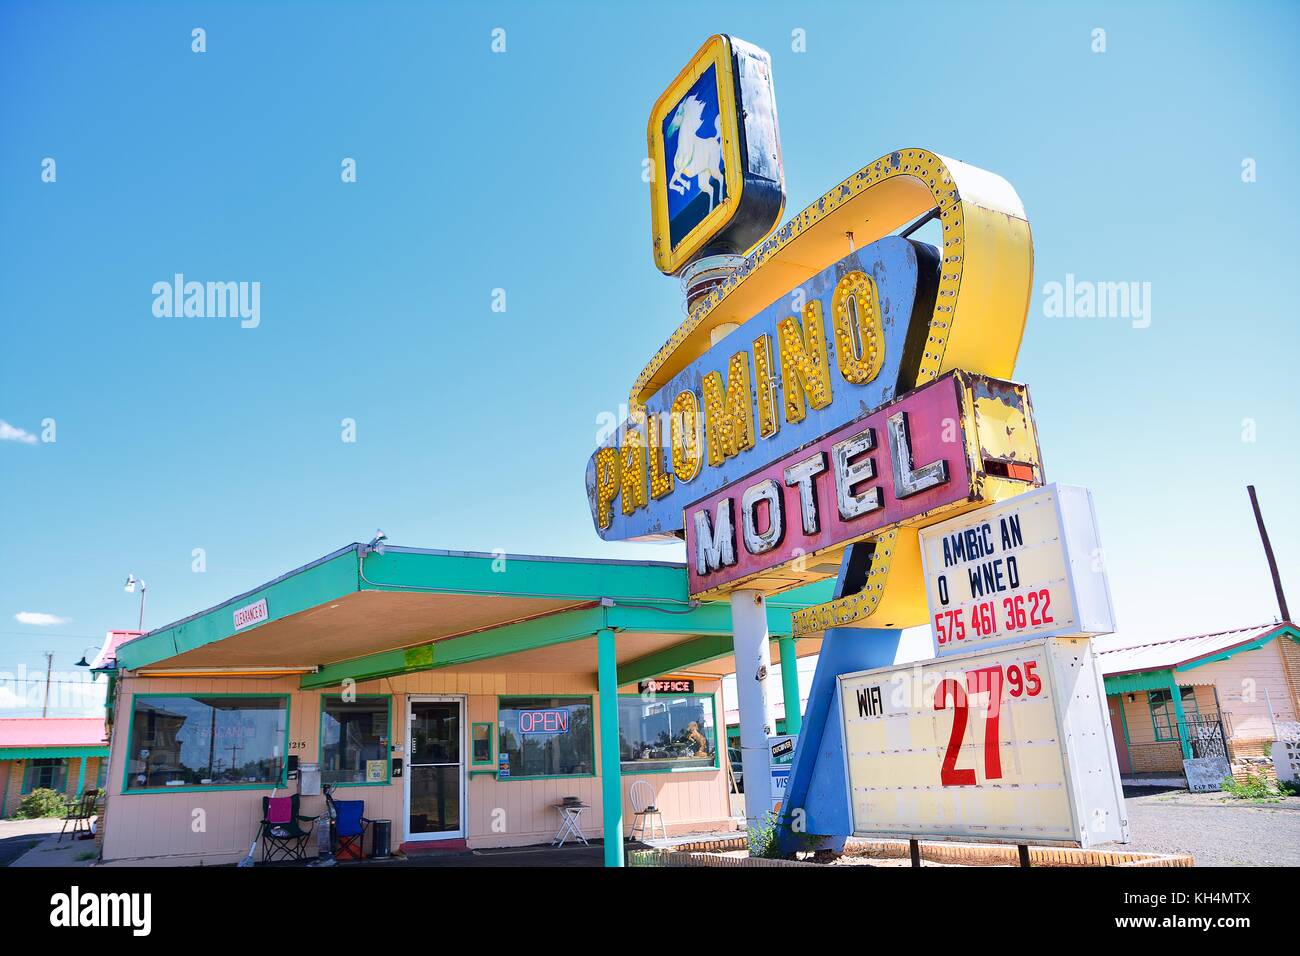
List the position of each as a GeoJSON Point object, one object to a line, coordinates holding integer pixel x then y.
{"type": "Point", "coordinates": [41, 802]}
{"type": "Point", "coordinates": [764, 838]}
{"type": "Point", "coordinates": [1254, 787]}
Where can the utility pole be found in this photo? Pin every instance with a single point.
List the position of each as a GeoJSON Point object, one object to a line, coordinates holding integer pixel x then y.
{"type": "Point", "coordinates": [49, 668]}
{"type": "Point", "coordinates": [1268, 553]}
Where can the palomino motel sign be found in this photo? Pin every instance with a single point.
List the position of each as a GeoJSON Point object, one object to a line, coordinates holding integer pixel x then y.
{"type": "Point", "coordinates": [828, 406]}
{"type": "Point", "coordinates": [831, 320]}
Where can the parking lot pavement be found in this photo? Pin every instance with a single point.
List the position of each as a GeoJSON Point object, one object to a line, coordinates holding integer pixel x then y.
{"type": "Point", "coordinates": [19, 836]}
{"type": "Point", "coordinates": [1214, 829]}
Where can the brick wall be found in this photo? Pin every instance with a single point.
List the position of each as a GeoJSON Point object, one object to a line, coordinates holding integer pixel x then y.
{"type": "Point", "coordinates": [1156, 757]}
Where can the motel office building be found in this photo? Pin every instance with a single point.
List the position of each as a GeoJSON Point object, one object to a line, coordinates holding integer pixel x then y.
{"type": "Point", "coordinates": [461, 696]}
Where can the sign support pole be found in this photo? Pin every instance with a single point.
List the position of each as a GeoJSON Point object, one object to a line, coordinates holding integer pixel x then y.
{"type": "Point", "coordinates": [753, 663]}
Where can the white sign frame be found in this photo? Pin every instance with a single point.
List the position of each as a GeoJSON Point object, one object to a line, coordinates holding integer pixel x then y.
{"type": "Point", "coordinates": [1089, 769]}
{"type": "Point", "coordinates": [1079, 554]}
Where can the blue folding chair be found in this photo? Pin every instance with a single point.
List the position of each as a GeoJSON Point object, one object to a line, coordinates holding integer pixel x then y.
{"type": "Point", "coordinates": [350, 823]}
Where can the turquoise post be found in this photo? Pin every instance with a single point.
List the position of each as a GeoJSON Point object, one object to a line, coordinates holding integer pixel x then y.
{"type": "Point", "coordinates": [790, 685]}
{"type": "Point", "coordinates": [611, 781]}
{"type": "Point", "coordinates": [81, 778]}
{"type": "Point", "coordinates": [1179, 717]}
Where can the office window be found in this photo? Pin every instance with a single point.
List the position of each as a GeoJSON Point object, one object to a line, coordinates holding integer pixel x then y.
{"type": "Point", "coordinates": [545, 737]}
{"type": "Point", "coordinates": [206, 741]}
{"type": "Point", "coordinates": [51, 773]}
{"type": "Point", "coordinates": [1163, 717]}
{"type": "Point", "coordinates": [354, 739]}
{"type": "Point", "coordinates": [667, 733]}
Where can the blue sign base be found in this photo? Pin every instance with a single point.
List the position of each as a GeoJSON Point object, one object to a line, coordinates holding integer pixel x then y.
{"type": "Point", "coordinates": [818, 780]}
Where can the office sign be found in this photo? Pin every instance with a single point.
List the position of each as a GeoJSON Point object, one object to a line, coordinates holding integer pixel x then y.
{"type": "Point", "coordinates": [675, 685]}
{"type": "Point", "coordinates": [716, 184]}
{"type": "Point", "coordinates": [1029, 566]}
{"type": "Point", "coordinates": [913, 460]}
{"type": "Point", "coordinates": [1009, 744]}
{"type": "Point", "coordinates": [805, 365]}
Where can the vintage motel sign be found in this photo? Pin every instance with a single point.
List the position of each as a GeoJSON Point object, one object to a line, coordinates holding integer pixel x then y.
{"type": "Point", "coordinates": [952, 445]}
{"type": "Point", "coordinates": [1029, 566]}
{"type": "Point", "coordinates": [717, 185]}
{"type": "Point", "coordinates": [1006, 745]}
{"type": "Point", "coordinates": [971, 318]}
{"type": "Point", "coordinates": [830, 317]}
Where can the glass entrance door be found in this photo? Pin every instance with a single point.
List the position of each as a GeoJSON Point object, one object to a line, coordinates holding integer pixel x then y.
{"type": "Point", "coordinates": [436, 771]}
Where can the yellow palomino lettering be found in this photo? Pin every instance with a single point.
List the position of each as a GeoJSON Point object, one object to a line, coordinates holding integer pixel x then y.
{"type": "Point", "coordinates": [607, 479]}
{"type": "Point", "coordinates": [765, 386]}
{"type": "Point", "coordinates": [729, 413]}
{"type": "Point", "coordinates": [685, 432]}
{"type": "Point", "coordinates": [859, 338]}
{"type": "Point", "coordinates": [661, 480]}
{"type": "Point", "coordinates": [805, 370]}
{"type": "Point", "coordinates": [635, 483]}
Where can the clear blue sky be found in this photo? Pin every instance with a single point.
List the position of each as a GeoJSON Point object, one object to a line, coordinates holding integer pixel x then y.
{"type": "Point", "coordinates": [522, 171]}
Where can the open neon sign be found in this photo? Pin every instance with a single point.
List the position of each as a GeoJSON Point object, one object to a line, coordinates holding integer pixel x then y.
{"type": "Point", "coordinates": [543, 721]}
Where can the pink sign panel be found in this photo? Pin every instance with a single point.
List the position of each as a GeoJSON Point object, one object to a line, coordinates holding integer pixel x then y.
{"type": "Point", "coordinates": [897, 463]}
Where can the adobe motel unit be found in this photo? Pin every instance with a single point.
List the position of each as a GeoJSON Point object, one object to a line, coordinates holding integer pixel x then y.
{"type": "Point", "coordinates": [515, 676]}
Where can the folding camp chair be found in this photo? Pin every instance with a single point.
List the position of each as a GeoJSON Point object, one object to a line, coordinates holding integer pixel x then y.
{"type": "Point", "coordinates": [283, 838]}
{"type": "Point", "coordinates": [350, 825]}
{"type": "Point", "coordinates": [80, 813]}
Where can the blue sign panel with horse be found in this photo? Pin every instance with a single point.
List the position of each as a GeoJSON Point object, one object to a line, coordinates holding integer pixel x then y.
{"type": "Point", "coordinates": [694, 166]}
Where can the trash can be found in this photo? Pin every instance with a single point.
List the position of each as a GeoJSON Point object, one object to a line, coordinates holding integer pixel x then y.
{"type": "Point", "coordinates": [381, 841]}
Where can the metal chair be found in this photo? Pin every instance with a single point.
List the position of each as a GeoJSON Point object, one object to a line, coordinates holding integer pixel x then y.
{"type": "Point", "coordinates": [282, 836]}
{"type": "Point", "coordinates": [643, 810]}
{"type": "Point", "coordinates": [80, 813]}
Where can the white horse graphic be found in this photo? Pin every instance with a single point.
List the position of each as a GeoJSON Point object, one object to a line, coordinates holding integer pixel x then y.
{"type": "Point", "coordinates": [697, 157]}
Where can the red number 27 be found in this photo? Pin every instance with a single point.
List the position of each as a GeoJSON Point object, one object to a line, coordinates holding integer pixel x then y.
{"type": "Point", "coordinates": [984, 680]}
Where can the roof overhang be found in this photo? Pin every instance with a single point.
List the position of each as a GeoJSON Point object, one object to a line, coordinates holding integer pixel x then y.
{"type": "Point", "coordinates": [49, 753]}
{"type": "Point", "coordinates": [358, 615]}
{"type": "Point", "coordinates": [1181, 665]}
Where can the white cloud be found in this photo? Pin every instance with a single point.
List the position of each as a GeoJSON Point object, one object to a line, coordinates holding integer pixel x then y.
{"type": "Point", "coordinates": [12, 433]}
{"type": "Point", "coordinates": [40, 619]}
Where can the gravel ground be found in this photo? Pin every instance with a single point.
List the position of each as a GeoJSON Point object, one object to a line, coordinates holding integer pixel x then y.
{"type": "Point", "coordinates": [1215, 830]}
